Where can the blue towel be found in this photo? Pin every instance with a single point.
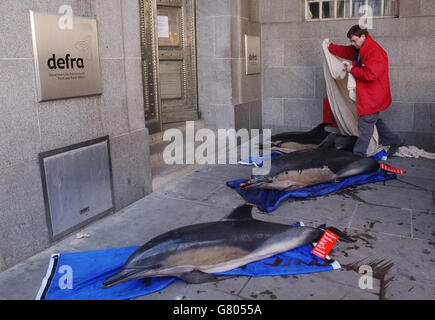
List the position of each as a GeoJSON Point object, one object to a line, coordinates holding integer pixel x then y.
{"type": "Point", "coordinates": [381, 155]}
{"type": "Point", "coordinates": [268, 200]}
{"type": "Point", "coordinates": [89, 269]}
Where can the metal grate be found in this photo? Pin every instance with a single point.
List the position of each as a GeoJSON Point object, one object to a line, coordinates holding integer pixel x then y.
{"type": "Point", "coordinates": [77, 185]}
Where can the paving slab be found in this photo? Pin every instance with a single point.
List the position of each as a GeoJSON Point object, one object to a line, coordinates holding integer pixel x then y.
{"type": "Point", "coordinates": [378, 194]}
{"type": "Point", "coordinates": [302, 287]}
{"type": "Point", "coordinates": [421, 168]}
{"type": "Point", "coordinates": [383, 219]}
{"type": "Point", "coordinates": [189, 188]}
{"type": "Point", "coordinates": [409, 288]}
{"type": "Point", "coordinates": [409, 182]}
{"type": "Point", "coordinates": [318, 210]}
{"type": "Point", "coordinates": [143, 221]}
{"type": "Point", "coordinates": [423, 225]}
{"type": "Point", "coordinates": [183, 291]}
{"type": "Point", "coordinates": [225, 197]}
{"type": "Point", "coordinates": [221, 173]}
{"type": "Point", "coordinates": [411, 257]}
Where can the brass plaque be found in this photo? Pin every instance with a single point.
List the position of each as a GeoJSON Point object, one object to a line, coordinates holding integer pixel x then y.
{"type": "Point", "coordinates": [171, 80]}
{"type": "Point", "coordinates": [67, 61]}
{"type": "Point", "coordinates": [253, 54]}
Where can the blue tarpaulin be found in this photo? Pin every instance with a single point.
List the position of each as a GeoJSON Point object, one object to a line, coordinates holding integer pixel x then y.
{"type": "Point", "coordinates": [79, 276]}
{"type": "Point", "coordinates": [268, 200]}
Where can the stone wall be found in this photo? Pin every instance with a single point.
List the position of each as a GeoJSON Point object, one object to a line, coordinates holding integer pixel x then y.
{"type": "Point", "coordinates": [293, 82]}
{"type": "Point", "coordinates": [28, 127]}
{"type": "Point", "coordinates": [227, 97]}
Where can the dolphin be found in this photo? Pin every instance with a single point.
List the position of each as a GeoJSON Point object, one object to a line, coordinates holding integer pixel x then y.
{"type": "Point", "coordinates": [304, 168]}
{"type": "Point", "coordinates": [298, 140]}
{"type": "Point", "coordinates": [193, 253]}
{"type": "Point", "coordinates": [310, 138]}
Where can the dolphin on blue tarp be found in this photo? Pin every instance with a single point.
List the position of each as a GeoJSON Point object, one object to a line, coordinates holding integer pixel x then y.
{"type": "Point", "coordinates": [309, 167]}
{"type": "Point", "coordinates": [194, 253]}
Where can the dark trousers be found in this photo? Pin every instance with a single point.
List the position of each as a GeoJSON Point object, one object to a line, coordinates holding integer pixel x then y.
{"type": "Point", "coordinates": [366, 126]}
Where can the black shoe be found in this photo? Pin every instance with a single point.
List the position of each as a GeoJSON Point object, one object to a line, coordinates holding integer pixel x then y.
{"type": "Point", "coordinates": [393, 149]}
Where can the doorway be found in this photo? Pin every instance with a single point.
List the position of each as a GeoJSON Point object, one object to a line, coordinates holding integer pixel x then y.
{"type": "Point", "coordinates": [168, 44]}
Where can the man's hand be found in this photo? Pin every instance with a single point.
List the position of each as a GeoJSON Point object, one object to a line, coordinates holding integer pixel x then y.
{"type": "Point", "coordinates": [347, 66]}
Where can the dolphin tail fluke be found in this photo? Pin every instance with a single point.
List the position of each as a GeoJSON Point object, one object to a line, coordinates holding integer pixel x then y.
{"type": "Point", "coordinates": [342, 236]}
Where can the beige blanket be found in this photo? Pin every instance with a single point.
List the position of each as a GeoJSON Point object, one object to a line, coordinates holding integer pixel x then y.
{"type": "Point", "coordinates": [341, 90]}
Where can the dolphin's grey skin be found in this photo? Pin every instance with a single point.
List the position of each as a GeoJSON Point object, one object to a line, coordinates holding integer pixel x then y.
{"type": "Point", "coordinates": [192, 253]}
{"type": "Point", "coordinates": [315, 136]}
{"type": "Point", "coordinates": [309, 167]}
{"type": "Point", "coordinates": [293, 141]}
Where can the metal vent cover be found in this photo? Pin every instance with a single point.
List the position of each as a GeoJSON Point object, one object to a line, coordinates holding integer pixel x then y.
{"type": "Point", "coordinates": [77, 184]}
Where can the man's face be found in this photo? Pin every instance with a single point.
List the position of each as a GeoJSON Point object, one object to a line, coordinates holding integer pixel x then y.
{"type": "Point", "coordinates": [357, 42]}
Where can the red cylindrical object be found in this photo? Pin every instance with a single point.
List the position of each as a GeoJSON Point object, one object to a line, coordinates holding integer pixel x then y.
{"type": "Point", "coordinates": [328, 116]}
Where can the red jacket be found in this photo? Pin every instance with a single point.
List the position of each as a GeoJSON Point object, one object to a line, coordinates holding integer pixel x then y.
{"type": "Point", "coordinates": [372, 79]}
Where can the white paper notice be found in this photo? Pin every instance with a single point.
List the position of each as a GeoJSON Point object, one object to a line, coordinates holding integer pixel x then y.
{"type": "Point", "coordinates": [163, 26]}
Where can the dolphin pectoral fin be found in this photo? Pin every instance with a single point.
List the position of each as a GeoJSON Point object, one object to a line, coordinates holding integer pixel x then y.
{"type": "Point", "coordinates": [197, 277]}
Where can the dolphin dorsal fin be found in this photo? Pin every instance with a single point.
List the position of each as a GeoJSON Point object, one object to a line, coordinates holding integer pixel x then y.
{"type": "Point", "coordinates": [243, 212]}
{"type": "Point", "coordinates": [328, 142]}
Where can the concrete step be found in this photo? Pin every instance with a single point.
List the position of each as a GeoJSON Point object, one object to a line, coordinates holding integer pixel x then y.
{"type": "Point", "coordinates": [158, 136]}
{"type": "Point", "coordinates": [163, 173]}
{"type": "Point", "coordinates": [157, 145]}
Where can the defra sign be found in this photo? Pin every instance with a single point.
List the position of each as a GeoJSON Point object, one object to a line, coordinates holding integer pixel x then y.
{"type": "Point", "coordinates": [67, 61]}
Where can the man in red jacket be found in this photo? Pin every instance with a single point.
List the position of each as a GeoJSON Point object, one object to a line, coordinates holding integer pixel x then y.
{"type": "Point", "coordinates": [373, 95]}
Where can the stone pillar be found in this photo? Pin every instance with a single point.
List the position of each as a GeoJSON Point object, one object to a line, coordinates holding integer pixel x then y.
{"type": "Point", "coordinates": [227, 97]}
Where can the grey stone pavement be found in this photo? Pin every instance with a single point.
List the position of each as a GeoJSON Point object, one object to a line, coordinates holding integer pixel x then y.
{"type": "Point", "coordinates": [394, 221]}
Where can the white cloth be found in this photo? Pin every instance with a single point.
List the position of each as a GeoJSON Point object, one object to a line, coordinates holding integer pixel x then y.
{"type": "Point", "coordinates": [414, 152]}
{"type": "Point", "coordinates": [341, 90]}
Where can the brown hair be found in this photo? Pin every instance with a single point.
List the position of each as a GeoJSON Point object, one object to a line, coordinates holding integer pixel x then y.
{"type": "Point", "coordinates": [357, 31]}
